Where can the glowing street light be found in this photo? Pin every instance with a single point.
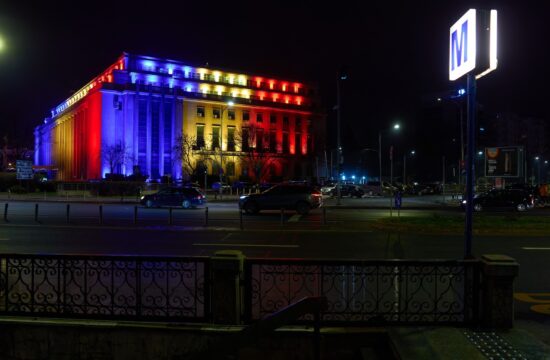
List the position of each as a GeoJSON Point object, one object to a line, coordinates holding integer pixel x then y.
{"type": "Point", "coordinates": [2, 44]}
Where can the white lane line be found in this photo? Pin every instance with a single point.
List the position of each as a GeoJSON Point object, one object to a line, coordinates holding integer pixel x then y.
{"type": "Point", "coordinates": [249, 245]}
{"type": "Point", "coordinates": [295, 218]}
{"type": "Point", "coordinates": [536, 248]}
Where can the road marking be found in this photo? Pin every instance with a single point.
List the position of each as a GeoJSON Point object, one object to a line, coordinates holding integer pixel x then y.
{"type": "Point", "coordinates": [249, 245]}
{"type": "Point", "coordinates": [541, 301]}
{"type": "Point", "coordinates": [295, 218]}
{"type": "Point", "coordinates": [536, 248]}
{"type": "Point", "coordinates": [226, 237]}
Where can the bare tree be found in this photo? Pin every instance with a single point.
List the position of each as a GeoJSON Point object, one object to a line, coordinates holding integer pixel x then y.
{"type": "Point", "coordinates": [116, 155]}
{"type": "Point", "coordinates": [254, 154]}
{"type": "Point", "coordinates": [187, 152]}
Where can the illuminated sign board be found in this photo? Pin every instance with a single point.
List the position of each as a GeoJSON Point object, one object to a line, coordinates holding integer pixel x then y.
{"type": "Point", "coordinates": [502, 161]}
{"type": "Point", "coordinates": [473, 44]}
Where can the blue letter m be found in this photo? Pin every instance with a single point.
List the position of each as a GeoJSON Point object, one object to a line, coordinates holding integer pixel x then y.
{"type": "Point", "coordinates": [459, 47]}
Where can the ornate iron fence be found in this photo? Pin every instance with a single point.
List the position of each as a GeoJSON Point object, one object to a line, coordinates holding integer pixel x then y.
{"type": "Point", "coordinates": [385, 291]}
{"type": "Point", "coordinates": [168, 289]}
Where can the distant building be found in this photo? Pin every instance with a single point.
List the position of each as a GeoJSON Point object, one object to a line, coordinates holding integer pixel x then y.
{"type": "Point", "coordinates": [132, 117]}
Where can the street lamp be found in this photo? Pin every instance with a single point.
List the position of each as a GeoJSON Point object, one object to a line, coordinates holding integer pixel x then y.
{"type": "Point", "coordinates": [395, 127]}
{"type": "Point", "coordinates": [2, 44]}
{"type": "Point", "coordinates": [411, 153]}
{"type": "Point", "coordinates": [229, 105]}
{"type": "Point", "coordinates": [340, 77]}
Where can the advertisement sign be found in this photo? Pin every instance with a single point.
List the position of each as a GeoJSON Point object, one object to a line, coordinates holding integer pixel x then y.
{"type": "Point", "coordinates": [473, 44]}
{"type": "Point", "coordinates": [502, 161]}
{"type": "Point", "coordinates": [23, 169]}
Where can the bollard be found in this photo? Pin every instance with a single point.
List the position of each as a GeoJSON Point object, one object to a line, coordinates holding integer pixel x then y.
{"type": "Point", "coordinates": [100, 214]}
{"type": "Point", "coordinates": [6, 212]}
{"type": "Point", "coordinates": [36, 212]}
{"type": "Point", "coordinates": [206, 216]}
{"type": "Point", "coordinates": [68, 213]}
{"type": "Point", "coordinates": [324, 215]}
{"type": "Point", "coordinates": [241, 218]}
{"type": "Point", "coordinates": [282, 216]}
{"type": "Point", "coordinates": [135, 214]}
{"type": "Point", "coordinates": [170, 216]}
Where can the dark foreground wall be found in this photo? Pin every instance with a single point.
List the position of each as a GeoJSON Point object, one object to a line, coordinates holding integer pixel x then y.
{"type": "Point", "coordinates": [65, 339]}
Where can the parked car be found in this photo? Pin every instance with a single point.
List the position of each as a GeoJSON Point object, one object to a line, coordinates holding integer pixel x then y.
{"type": "Point", "coordinates": [327, 188]}
{"type": "Point", "coordinates": [301, 198]}
{"type": "Point", "coordinates": [348, 190]}
{"type": "Point", "coordinates": [186, 197]}
{"type": "Point", "coordinates": [517, 199]}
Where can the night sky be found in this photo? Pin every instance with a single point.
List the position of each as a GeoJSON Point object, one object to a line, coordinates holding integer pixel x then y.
{"type": "Point", "coordinates": [396, 53]}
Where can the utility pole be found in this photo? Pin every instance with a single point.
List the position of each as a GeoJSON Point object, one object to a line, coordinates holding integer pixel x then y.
{"type": "Point", "coordinates": [339, 144]}
{"type": "Point", "coordinates": [470, 168]}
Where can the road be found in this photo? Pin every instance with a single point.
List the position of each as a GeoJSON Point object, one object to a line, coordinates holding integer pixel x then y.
{"type": "Point", "coordinates": [263, 236]}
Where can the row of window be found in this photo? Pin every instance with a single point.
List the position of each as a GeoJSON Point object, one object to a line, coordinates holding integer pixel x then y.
{"type": "Point", "coordinates": [258, 138]}
{"type": "Point", "coordinates": [216, 114]}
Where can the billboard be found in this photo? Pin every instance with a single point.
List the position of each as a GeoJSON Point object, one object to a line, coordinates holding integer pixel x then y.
{"type": "Point", "coordinates": [503, 161]}
{"type": "Point", "coordinates": [24, 169]}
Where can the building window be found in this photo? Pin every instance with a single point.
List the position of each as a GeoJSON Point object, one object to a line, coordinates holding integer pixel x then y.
{"type": "Point", "coordinates": [285, 122]}
{"type": "Point", "coordinates": [285, 143]}
{"type": "Point", "coordinates": [215, 137]}
{"type": "Point", "coordinates": [259, 139]}
{"type": "Point", "coordinates": [259, 117]}
{"type": "Point", "coordinates": [200, 136]}
{"type": "Point", "coordinates": [200, 111]}
{"type": "Point", "coordinates": [246, 115]}
{"type": "Point", "coordinates": [273, 119]}
{"type": "Point", "coordinates": [298, 143]}
{"type": "Point", "coordinates": [230, 169]}
{"type": "Point", "coordinates": [231, 114]}
{"type": "Point", "coordinates": [216, 113]}
{"type": "Point", "coordinates": [231, 138]}
{"type": "Point", "coordinates": [245, 146]}
{"type": "Point", "coordinates": [273, 141]}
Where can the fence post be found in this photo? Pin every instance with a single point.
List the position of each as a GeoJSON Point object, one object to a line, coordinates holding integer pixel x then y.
{"type": "Point", "coordinates": [499, 272]}
{"type": "Point", "coordinates": [170, 216]}
{"type": "Point", "coordinates": [226, 298]}
{"type": "Point", "coordinates": [135, 214]}
{"type": "Point", "coordinates": [100, 214]}
{"type": "Point", "coordinates": [206, 217]}
{"type": "Point", "coordinates": [68, 213]}
{"type": "Point", "coordinates": [6, 212]}
{"type": "Point", "coordinates": [36, 212]}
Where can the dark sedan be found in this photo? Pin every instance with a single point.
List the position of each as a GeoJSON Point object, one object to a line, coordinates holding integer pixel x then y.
{"type": "Point", "coordinates": [519, 200]}
{"type": "Point", "coordinates": [186, 197]}
{"type": "Point", "coordinates": [297, 197]}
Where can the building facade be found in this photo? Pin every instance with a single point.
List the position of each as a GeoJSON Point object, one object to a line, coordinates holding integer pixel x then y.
{"type": "Point", "coordinates": [159, 117]}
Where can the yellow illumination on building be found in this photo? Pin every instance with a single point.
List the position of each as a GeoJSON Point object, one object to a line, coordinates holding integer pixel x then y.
{"type": "Point", "coordinates": [220, 89]}
{"type": "Point", "coordinates": [216, 75]}
{"type": "Point", "coordinates": [201, 72]}
{"type": "Point", "coordinates": [245, 93]}
{"type": "Point", "coordinates": [234, 92]}
{"type": "Point", "coordinates": [231, 78]}
{"type": "Point", "coordinates": [242, 80]}
{"type": "Point", "coordinates": [205, 88]}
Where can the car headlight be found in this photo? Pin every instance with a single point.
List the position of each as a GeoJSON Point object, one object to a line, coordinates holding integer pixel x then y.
{"type": "Point", "coordinates": [242, 197]}
{"type": "Point", "coordinates": [141, 198]}
{"type": "Point", "coordinates": [464, 202]}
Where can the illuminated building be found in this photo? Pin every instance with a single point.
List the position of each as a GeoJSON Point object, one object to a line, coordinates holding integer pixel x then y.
{"type": "Point", "coordinates": [143, 105]}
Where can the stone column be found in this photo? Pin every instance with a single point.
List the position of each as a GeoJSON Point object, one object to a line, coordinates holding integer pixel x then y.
{"type": "Point", "coordinates": [498, 274]}
{"type": "Point", "coordinates": [227, 297]}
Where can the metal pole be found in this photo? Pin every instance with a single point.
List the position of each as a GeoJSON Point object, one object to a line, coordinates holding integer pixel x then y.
{"type": "Point", "coordinates": [339, 145]}
{"type": "Point", "coordinates": [135, 214]}
{"type": "Point", "coordinates": [170, 216]}
{"type": "Point", "coordinates": [461, 145]}
{"type": "Point", "coordinates": [405, 169]}
{"type": "Point", "coordinates": [6, 212]}
{"type": "Point", "coordinates": [380, 159]}
{"type": "Point", "coordinates": [36, 212]}
{"type": "Point", "coordinates": [241, 218]}
{"type": "Point", "coordinates": [68, 213]}
{"type": "Point", "coordinates": [470, 167]}
{"type": "Point", "coordinates": [324, 215]}
{"type": "Point", "coordinates": [206, 217]}
{"type": "Point", "coordinates": [100, 214]}
{"type": "Point", "coordinates": [443, 180]}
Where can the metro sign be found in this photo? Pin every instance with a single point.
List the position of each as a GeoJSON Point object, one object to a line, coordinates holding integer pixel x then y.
{"type": "Point", "coordinates": [473, 44]}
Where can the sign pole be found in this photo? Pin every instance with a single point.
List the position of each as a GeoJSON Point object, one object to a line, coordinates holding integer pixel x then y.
{"type": "Point", "coordinates": [470, 169]}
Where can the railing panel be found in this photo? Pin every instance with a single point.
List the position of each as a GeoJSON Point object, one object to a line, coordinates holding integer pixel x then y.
{"type": "Point", "coordinates": [419, 292]}
{"type": "Point", "coordinates": [105, 287]}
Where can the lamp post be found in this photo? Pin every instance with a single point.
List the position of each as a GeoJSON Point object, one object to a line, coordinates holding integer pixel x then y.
{"type": "Point", "coordinates": [341, 76]}
{"type": "Point", "coordinates": [537, 160]}
{"type": "Point", "coordinates": [459, 106]}
{"type": "Point", "coordinates": [395, 127]}
{"type": "Point", "coordinates": [411, 153]}
{"type": "Point", "coordinates": [229, 105]}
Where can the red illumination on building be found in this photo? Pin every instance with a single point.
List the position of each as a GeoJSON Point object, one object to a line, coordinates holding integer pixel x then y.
{"type": "Point", "coordinates": [261, 94]}
{"type": "Point", "coordinates": [275, 96]}
{"type": "Point", "coordinates": [296, 88]}
{"type": "Point", "coordinates": [258, 81]}
{"type": "Point", "coordinates": [287, 99]}
{"type": "Point", "coordinates": [283, 86]}
{"type": "Point", "coordinates": [298, 100]}
{"type": "Point", "coordinates": [271, 84]}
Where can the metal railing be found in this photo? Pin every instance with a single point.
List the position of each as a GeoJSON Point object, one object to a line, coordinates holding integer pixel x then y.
{"type": "Point", "coordinates": [378, 291]}
{"type": "Point", "coordinates": [126, 287]}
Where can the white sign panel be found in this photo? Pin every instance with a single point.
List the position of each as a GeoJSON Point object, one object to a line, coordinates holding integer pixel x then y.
{"type": "Point", "coordinates": [462, 49]}
{"type": "Point", "coordinates": [23, 169]}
